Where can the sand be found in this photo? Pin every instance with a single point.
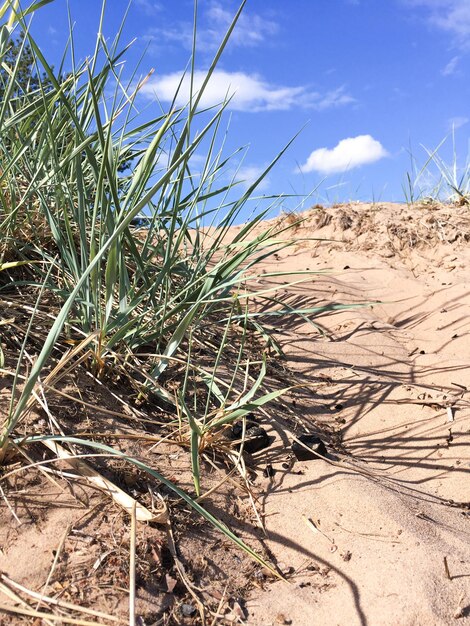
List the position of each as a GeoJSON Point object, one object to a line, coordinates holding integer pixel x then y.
{"type": "Point", "coordinates": [384, 517]}
{"type": "Point", "coordinates": [377, 533]}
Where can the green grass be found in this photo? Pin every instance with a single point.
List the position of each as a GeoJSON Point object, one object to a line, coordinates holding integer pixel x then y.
{"type": "Point", "coordinates": [132, 302]}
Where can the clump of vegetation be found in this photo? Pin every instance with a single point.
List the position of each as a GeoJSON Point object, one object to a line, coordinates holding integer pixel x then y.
{"type": "Point", "coordinates": [438, 180]}
{"type": "Point", "coordinates": [161, 310]}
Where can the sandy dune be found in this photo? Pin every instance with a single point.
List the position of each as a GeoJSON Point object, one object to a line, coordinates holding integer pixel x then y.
{"type": "Point", "coordinates": [378, 533]}
{"type": "Point", "coordinates": [368, 535]}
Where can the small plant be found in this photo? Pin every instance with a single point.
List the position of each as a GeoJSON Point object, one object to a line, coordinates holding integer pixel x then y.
{"type": "Point", "coordinates": [291, 219]}
{"type": "Point", "coordinates": [450, 183]}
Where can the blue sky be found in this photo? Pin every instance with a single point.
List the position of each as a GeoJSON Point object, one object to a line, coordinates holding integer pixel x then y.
{"type": "Point", "coordinates": [370, 79]}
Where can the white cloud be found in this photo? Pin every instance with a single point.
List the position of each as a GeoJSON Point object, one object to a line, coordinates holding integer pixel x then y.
{"type": "Point", "coordinates": [159, 38]}
{"type": "Point", "coordinates": [336, 97]}
{"type": "Point", "coordinates": [451, 67]}
{"type": "Point", "coordinates": [249, 92]}
{"type": "Point", "coordinates": [150, 7]}
{"type": "Point", "coordinates": [246, 175]}
{"type": "Point", "coordinates": [452, 16]}
{"type": "Point", "coordinates": [347, 154]}
{"type": "Point", "coordinates": [251, 29]}
{"type": "Point", "coordinates": [457, 122]}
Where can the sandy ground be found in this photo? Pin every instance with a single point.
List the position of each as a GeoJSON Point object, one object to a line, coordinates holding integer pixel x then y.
{"type": "Point", "coordinates": [380, 536]}
{"type": "Point", "coordinates": [378, 533]}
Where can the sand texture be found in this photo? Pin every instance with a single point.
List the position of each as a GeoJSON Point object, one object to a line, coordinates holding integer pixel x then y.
{"type": "Point", "coordinates": [385, 515]}
{"type": "Point", "coordinates": [378, 532]}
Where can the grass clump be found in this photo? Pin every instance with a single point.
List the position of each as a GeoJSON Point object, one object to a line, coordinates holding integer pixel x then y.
{"type": "Point", "coordinates": [162, 310]}
{"type": "Point", "coordinates": [438, 180]}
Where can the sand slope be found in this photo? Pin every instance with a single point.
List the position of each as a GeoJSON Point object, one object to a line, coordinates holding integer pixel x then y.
{"type": "Point", "coordinates": [362, 537]}
{"type": "Point", "coordinates": [385, 514]}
